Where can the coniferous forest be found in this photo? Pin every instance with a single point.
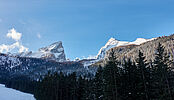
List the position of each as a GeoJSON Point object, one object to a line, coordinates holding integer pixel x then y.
{"type": "Point", "coordinates": [131, 80]}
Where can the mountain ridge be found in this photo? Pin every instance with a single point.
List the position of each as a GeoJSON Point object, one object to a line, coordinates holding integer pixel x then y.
{"type": "Point", "coordinates": [112, 42]}
{"type": "Point", "coordinates": [148, 48]}
{"type": "Point", "coordinates": [35, 67]}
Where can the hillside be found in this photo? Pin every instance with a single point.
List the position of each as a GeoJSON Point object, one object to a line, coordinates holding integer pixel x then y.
{"type": "Point", "coordinates": [148, 48]}
{"type": "Point", "coordinates": [35, 68]}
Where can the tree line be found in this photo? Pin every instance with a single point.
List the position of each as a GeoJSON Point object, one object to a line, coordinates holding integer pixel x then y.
{"type": "Point", "coordinates": [132, 80]}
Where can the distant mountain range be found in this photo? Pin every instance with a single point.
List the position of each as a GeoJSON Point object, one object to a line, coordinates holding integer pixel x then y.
{"type": "Point", "coordinates": [52, 58]}
{"type": "Point", "coordinates": [55, 51]}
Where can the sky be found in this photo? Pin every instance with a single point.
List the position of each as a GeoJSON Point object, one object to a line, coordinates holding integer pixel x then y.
{"type": "Point", "coordinates": [84, 26]}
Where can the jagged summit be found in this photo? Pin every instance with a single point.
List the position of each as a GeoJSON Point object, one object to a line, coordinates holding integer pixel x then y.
{"type": "Point", "coordinates": [112, 42]}
{"type": "Point", "coordinates": [54, 51]}
{"type": "Point", "coordinates": [55, 47]}
{"type": "Point", "coordinates": [112, 39]}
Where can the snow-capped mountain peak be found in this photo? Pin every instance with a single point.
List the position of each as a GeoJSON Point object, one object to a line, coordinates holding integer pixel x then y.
{"type": "Point", "coordinates": [54, 48]}
{"type": "Point", "coordinates": [54, 51]}
{"type": "Point", "coordinates": [112, 42]}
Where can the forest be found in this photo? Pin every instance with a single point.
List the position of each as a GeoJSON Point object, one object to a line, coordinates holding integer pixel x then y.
{"type": "Point", "coordinates": [131, 80]}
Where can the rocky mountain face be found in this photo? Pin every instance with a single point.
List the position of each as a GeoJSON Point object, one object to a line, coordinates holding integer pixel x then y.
{"type": "Point", "coordinates": [54, 51]}
{"type": "Point", "coordinates": [110, 44]}
{"type": "Point", "coordinates": [113, 43]}
{"type": "Point", "coordinates": [148, 48]}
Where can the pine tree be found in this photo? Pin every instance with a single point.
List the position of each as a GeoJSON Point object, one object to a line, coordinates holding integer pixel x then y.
{"type": "Point", "coordinates": [129, 80]}
{"type": "Point", "coordinates": [161, 62]}
{"type": "Point", "coordinates": [144, 76]}
{"type": "Point", "coordinates": [111, 78]}
{"type": "Point", "coordinates": [73, 86]}
{"type": "Point", "coordinates": [81, 88]}
{"type": "Point", "coordinates": [98, 84]}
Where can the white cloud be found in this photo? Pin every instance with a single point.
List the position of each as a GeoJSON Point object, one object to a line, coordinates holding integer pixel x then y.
{"type": "Point", "coordinates": [8, 48]}
{"type": "Point", "coordinates": [15, 36]}
{"type": "Point", "coordinates": [38, 35]}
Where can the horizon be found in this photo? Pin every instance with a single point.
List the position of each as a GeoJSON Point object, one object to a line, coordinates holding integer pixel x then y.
{"type": "Point", "coordinates": [83, 27]}
{"type": "Point", "coordinates": [83, 57]}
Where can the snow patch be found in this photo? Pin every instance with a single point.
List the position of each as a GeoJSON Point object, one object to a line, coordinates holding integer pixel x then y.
{"type": "Point", "coordinates": [12, 94]}
{"type": "Point", "coordinates": [11, 61]}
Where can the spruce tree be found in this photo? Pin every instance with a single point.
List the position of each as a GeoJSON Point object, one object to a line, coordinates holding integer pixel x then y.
{"type": "Point", "coordinates": [81, 88]}
{"type": "Point", "coordinates": [161, 62]}
{"type": "Point", "coordinates": [143, 76]}
{"type": "Point", "coordinates": [129, 79]}
{"type": "Point", "coordinates": [111, 78]}
{"type": "Point", "coordinates": [98, 84]}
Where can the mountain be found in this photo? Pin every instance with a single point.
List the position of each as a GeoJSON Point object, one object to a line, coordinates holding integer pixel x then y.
{"type": "Point", "coordinates": [54, 51]}
{"type": "Point", "coordinates": [34, 68]}
{"type": "Point", "coordinates": [37, 64]}
{"type": "Point", "coordinates": [148, 48]}
{"type": "Point", "coordinates": [52, 58]}
{"type": "Point", "coordinates": [112, 42]}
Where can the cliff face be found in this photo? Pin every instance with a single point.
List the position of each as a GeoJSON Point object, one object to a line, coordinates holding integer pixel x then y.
{"type": "Point", "coordinates": [54, 51]}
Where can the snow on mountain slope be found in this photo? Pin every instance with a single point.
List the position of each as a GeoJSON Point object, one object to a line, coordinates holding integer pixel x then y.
{"type": "Point", "coordinates": [139, 41]}
{"type": "Point", "coordinates": [54, 51]}
{"type": "Point", "coordinates": [9, 61]}
{"type": "Point", "coordinates": [112, 42]}
{"type": "Point", "coordinates": [11, 94]}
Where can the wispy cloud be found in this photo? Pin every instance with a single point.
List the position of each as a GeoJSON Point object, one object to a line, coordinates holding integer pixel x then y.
{"type": "Point", "coordinates": [38, 35]}
{"type": "Point", "coordinates": [22, 22]}
{"type": "Point", "coordinates": [13, 34]}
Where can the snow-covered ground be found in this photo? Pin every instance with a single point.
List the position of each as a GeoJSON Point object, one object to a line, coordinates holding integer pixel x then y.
{"type": "Point", "coordinates": [12, 94]}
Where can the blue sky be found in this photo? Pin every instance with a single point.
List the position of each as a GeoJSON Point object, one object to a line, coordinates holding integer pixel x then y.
{"type": "Point", "coordinates": [84, 26]}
